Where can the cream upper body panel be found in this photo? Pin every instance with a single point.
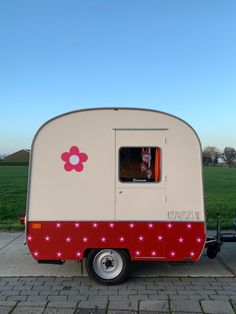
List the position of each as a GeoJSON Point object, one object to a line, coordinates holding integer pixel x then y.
{"type": "Point", "coordinates": [55, 194]}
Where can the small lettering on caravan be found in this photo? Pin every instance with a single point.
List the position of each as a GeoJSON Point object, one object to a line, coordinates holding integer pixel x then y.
{"type": "Point", "coordinates": [183, 215]}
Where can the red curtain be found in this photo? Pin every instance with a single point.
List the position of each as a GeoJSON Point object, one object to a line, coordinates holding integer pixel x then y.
{"type": "Point", "coordinates": [157, 165]}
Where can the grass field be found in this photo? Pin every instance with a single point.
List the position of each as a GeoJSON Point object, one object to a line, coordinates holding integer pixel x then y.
{"type": "Point", "coordinates": [220, 192]}
{"type": "Point", "coordinates": [13, 187]}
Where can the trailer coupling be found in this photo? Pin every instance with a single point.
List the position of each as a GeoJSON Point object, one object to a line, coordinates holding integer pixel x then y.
{"type": "Point", "coordinates": [213, 244]}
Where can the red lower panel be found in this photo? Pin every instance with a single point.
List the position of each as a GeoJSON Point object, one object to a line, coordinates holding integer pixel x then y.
{"type": "Point", "coordinates": [169, 241]}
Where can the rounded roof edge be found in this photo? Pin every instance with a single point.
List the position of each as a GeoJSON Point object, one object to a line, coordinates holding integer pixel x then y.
{"type": "Point", "coordinates": [115, 109]}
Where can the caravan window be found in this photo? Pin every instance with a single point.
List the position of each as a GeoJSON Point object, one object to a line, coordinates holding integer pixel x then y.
{"type": "Point", "coordinates": [139, 164]}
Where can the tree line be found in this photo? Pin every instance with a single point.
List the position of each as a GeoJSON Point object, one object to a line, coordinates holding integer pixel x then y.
{"type": "Point", "coordinates": [212, 155]}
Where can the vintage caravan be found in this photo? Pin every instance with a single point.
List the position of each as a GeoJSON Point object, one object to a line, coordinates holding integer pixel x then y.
{"type": "Point", "coordinates": [114, 185]}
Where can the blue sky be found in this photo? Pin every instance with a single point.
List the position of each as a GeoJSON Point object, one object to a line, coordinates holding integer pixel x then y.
{"type": "Point", "coordinates": [177, 56]}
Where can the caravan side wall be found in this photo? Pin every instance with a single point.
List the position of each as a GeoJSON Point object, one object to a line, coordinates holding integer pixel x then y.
{"type": "Point", "coordinates": [71, 209]}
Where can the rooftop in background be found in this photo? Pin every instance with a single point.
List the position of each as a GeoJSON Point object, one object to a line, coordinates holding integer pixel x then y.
{"type": "Point", "coordinates": [19, 156]}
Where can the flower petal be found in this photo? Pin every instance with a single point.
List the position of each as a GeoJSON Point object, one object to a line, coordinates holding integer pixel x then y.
{"type": "Point", "coordinates": [68, 166]}
{"type": "Point", "coordinates": [83, 157]}
{"type": "Point", "coordinates": [65, 156]}
{"type": "Point", "coordinates": [74, 150]}
{"type": "Point", "coordinates": [79, 167]}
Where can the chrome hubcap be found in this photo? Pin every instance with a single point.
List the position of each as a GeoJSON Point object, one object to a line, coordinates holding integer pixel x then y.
{"type": "Point", "coordinates": [107, 264]}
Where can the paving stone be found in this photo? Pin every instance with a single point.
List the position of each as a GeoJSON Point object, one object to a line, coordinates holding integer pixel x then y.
{"type": "Point", "coordinates": [219, 297]}
{"type": "Point", "coordinates": [136, 298]}
{"type": "Point", "coordinates": [183, 313]}
{"type": "Point", "coordinates": [188, 292]}
{"type": "Point", "coordinates": [127, 305]}
{"type": "Point", "coordinates": [191, 287]}
{"type": "Point", "coordinates": [154, 306]}
{"type": "Point", "coordinates": [147, 292]}
{"type": "Point", "coordinates": [58, 311]}
{"type": "Point", "coordinates": [32, 282]}
{"type": "Point", "coordinates": [185, 306]}
{"type": "Point", "coordinates": [10, 279]}
{"type": "Point", "coordinates": [44, 279]}
{"type": "Point", "coordinates": [9, 287]}
{"type": "Point", "coordinates": [84, 291]}
{"type": "Point", "coordinates": [3, 297]}
{"type": "Point", "coordinates": [12, 292]}
{"type": "Point", "coordinates": [50, 283]}
{"type": "Point", "coordinates": [27, 278]}
{"type": "Point", "coordinates": [199, 297]}
{"type": "Point", "coordinates": [182, 297]}
{"type": "Point", "coordinates": [62, 304]}
{"type": "Point", "coordinates": [217, 307]}
{"type": "Point", "coordinates": [58, 298]}
{"type": "Point", "coordinates": [31, 310]}
{"type": "Point", "coordinates": [67, 282]}
{"type": "Point", "coordinates": [170, 279]}
{"type": "Point", "coordinates": [169, 292]}
{"type": "Point", "coordinates": [158, 297]}
{"type": "Point", "coordinates": [233, 288]}
{"type": "Point", "coordinates": [103, 298]}
{"type": "Point", "coordinates": [223, 279]}
{"type": "Point", "coordinates": [92, 305]}
{"type": "Point", "coordinates": [38, 298]}
{"type": "Point", "coordinates": [121, 312]}
{"type": "Point", "coordinates": [139, 287]}
{"type": "Point", "coordinates": [111, 292]}
{"type": "Point", "coordinates": [233, 301]}
{"type": "Point", "coordinates": [129, 292]}
{"type": "Point", "coordinates": [32, 304]}
{"type": "Point", "coordinates": [21, 288]}
{"type": "Point", "coordinates": [2, 284]}
{"type": "Point", "coordinates": [121, 298]}
{"type": "Point", "coordinates": [47, 293]}
{"type": "Point", "coordinates": [71, 292]}
{"type": "Point", "coordinates": [29, 292]}
{"type": "Point", "coordinates": [8, 303]}
{"type": "Point", "coordinates": [72, 298]}
{"type": "Point", "coordinates": [227, 292]}
{"type": "Point", "coordinates": [90, 311]}
{"type": "Point", "coordinates": [215, 287]}
{"type": "Point", "coordinates": [207, 292]}
{"type": "Point", "coordinates": [17, 298]}
{"type": "Point", "coordinates": [42, 288]}
{"type": "Point", "coordinates": [5, 309]}
{"type": "Point", "coordinates": [184, 293]}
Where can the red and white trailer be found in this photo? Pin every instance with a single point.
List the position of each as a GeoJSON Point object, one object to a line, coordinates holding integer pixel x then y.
{"type": "Point", "coordinates": [115, 185]}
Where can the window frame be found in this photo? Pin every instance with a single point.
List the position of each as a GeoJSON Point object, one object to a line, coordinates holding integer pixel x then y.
{"type": "Point", "coordinates": [140, 182]}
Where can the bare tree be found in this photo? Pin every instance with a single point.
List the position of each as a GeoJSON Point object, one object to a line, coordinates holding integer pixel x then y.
{"type": "Point", "coordinates": [210, 155]}
{"type": "Point", "coordinates": [229, 156]}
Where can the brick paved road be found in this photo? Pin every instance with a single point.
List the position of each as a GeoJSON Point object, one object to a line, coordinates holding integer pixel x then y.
{"type": "Point", "coordinates": [136, 295]}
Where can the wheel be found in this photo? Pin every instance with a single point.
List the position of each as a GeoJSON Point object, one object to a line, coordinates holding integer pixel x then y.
{"type": "Point", "coordinates": [213, 250]}
{"type": "Point", "coordinates": [211, 253]}
{"type": "Point", "coordinates": [108, 266]}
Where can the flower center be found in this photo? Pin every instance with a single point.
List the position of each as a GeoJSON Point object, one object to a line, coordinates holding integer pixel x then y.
{"type": "Point", "coordinates": [74, 159]}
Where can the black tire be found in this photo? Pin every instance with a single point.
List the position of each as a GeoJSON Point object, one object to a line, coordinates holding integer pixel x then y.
{"type": "Point", "coordinates": [212, 251]}
{"type": "Point", "coordinates": [108, 266]}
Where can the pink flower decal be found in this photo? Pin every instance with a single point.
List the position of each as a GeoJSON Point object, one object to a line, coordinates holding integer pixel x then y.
{"type": "Point", "coordinates": [74, 159]}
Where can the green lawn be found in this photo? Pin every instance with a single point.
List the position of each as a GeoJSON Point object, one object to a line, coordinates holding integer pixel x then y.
{"type": "Point", "coordinates": [220, 192]}
{"type": "Point", "coordinates": [13, 187]}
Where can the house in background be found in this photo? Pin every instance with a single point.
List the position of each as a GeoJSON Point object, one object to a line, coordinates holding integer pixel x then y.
{"type": "Point", "coordinates": [19, 156]}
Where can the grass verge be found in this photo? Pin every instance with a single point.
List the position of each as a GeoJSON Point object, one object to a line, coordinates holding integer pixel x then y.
{"type": "Point", "coordinates": [220, 187]}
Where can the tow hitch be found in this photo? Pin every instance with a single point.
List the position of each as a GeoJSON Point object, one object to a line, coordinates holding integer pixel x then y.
{"type": "Point", "coordinates": [213, 244]}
